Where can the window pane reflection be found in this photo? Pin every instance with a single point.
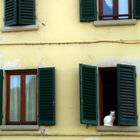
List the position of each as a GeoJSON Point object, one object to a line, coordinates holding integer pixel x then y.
{"type": "Point", "coordinates": [123, 8]}
{"type": "Point", "coordinates": [107, 8]}
{"type": "Point", "coordinates": [15, 98]}
{"type": "Point", "coordinates": [30, 97]}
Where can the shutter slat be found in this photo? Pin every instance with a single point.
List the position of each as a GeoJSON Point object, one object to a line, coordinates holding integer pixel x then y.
{"type": "Point", "coordinates": [126, 79]}
{"type": "Point", "coordinates": [88, 94]}
{"type": "Point", "coordinates": [136, 7]}
{"type": "Point", "coordinates": [10, 12]}
{"type": "Point", "coordinates": [46, 96]}
{"type": "Point", "coordinates": [26, 12]}
{"type": "Point", "coordinates": [88, 10]}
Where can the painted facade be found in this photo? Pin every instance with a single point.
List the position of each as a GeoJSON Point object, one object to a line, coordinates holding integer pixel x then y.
{"type": "Point", "coordinates": [63, 42]}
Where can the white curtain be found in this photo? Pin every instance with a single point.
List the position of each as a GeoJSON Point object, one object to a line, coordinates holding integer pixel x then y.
{"type": "Point", "coordinates": [15, 98]}
{"type": "Point", "coordinates": [30, 98]}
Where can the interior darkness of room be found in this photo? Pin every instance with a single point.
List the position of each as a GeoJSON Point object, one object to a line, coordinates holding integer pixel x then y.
{"type": "Point", "coordinates": [108, 92]}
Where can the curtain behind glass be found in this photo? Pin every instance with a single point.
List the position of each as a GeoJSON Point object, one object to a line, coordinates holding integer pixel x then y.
{"type": "Point", "coordinates": [30, 98]}
{"type": "Point", "coordinates": [15, 98]}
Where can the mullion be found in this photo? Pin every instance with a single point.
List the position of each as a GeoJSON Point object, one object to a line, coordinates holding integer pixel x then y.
{"type": "Point", "coordinates": [22, 99]}
{"type": "Point", "coordinates": [115, 9]}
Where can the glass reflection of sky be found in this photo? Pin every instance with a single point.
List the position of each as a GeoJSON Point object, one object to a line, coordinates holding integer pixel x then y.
{"type": "Point", "coordinates": [123, 8]}
{"type": "Point", "coordinates": [14, 81]}
{"type": "Point", "coordinates": [107, 7]}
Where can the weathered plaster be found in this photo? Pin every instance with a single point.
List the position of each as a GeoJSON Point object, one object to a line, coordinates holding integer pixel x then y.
{"type": "Point", "coordinates": [11, 64]}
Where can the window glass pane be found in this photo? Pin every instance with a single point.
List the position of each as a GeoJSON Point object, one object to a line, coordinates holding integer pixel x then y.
{"type": "Point", "coordinates": [30, 97]}
{"type": "Point", "coordinates": [108, 8]}
{"type": "Point", "coordinates": [15, 98]}
{"type": "Point", "coordinates": [123, 8]}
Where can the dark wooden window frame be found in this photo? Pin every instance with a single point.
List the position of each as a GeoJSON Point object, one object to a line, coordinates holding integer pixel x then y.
{"type": "Point", "coordinates": [115, 11]}
{"type": "Point", "coordinates": [22, 73]}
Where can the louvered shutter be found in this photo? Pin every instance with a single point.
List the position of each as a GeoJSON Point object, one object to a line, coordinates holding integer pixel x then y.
{"type": "Point", "coordinates": [10, 12]}
{"type": "Point", "coordinates": [88, 94]}
{"type": "Point", "coordinates": [126, 82]}
{"type": "Point", "coordinates": [88, 10]}
{"type": "Point", "coordinates": [136, 9]}
{"type": "Point", "coordinates": [1, 93]}
{"type": "Point", "coordinates": [26, 12]}
{"type": "Point", "coordinates": [46, 85]}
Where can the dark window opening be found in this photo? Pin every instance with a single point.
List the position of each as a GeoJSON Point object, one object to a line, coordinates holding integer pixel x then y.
{"type": "Point", "coordinates": [108, 92]}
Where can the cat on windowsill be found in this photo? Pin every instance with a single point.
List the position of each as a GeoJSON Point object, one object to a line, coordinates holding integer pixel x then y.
{"type": "Point", "coordinates": [109, 119]}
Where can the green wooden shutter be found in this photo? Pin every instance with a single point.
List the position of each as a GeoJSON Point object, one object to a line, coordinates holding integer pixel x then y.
{"type": "Point", "coordinates": [88, 10]}
{"type": "Point", "coordinates": [26, 15]}
{"type": "Point", "coordinates": [1, 93]}
{"type": "Point", "coordinates": [136, 9]}
{"type": "Point", "coordinates": [46, 86]}
{"type": "Point", "coordinates": [88, 94]}
{"type": "Point", "coordinates": [10, 12]}
{"type": "Point", "coordinates": [126, 82]}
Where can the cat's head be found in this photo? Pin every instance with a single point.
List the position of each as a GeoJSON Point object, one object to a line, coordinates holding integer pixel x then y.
{"type": "Point", "coordinates": [112, 113]}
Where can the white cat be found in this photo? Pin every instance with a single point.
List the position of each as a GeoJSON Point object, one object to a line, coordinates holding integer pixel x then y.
{"type": "Point", "coordinates": [109, 119]}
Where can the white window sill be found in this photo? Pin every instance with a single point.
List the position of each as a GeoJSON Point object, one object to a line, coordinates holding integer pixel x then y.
{"type": "Point", "coordinates": [19, 28]}
{"type": "Point", "coordinates": [19, 127]}
{"type": "Point", "coordinates": [118, 128]}
{"type": "Point", "coordinates": [115, 22]}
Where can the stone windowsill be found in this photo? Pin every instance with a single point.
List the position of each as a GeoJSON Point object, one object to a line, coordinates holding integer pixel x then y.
{"type": "Point", "coordinates": [118, 128]}
{"type": "Point", "coordinates": [19, 28]}
{"type": "Point", "coordinates": [115, 22]}
{"type": "Point", "coordinates": [19, 127]}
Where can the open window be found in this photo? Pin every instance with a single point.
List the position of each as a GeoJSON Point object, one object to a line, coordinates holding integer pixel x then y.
{"type": "Point", "coordinates": [114, 88]}
{"type": "Point", "coordinates": [107, 92]}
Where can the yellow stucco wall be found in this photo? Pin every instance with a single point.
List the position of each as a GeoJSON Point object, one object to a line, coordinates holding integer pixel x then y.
{"type": "Point", "coordinates": [57, 43]}
{"type": "Point", "coordinates": [59, 22]}
{"type": "Point", "coordinates": [66, 59]}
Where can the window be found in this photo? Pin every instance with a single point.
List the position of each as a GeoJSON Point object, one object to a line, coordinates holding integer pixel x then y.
{"type": "Point", "coordinates": [30, 96]}
{"type": "Point", "coordinates": [19, 12]}
{"type": "Point", "coordinates": [115, 9]}
{"type": "Point", "coordinates": [109, 9]}
{"type": "Point", "coordinates": [21, 97]}
{"type": "Point", "coordinates": [115, 90]}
